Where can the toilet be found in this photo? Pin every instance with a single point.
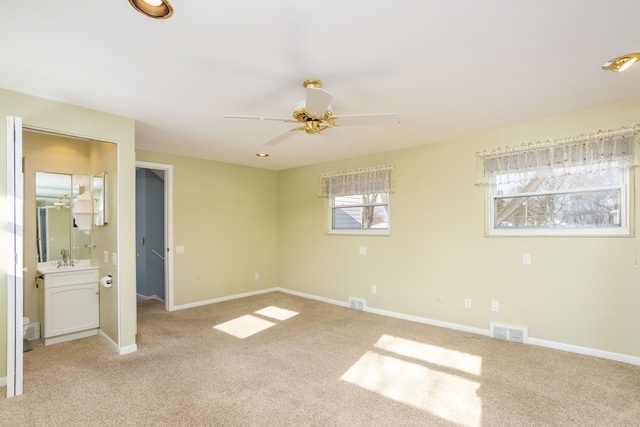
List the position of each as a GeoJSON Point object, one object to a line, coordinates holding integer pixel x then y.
{"type": "Point", "coordinates": [26, 345]}
{"type": "Point", "coordinates": [25, 326]}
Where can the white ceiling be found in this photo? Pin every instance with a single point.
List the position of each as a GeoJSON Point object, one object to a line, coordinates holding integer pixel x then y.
{"type": "Point", "coordinates": [448, 68]}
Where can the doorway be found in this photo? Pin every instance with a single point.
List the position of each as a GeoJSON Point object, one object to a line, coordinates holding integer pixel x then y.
{"type": "Point", "coordinates": [154, 232]}
{"type": "Point", "coordinates": [30, 149]}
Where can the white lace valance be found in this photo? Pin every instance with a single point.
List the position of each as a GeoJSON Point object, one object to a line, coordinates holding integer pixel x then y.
{"type": "Point", "coordinates": [601, 150]}
{"type": "Point", "coordinates": [359, 181]}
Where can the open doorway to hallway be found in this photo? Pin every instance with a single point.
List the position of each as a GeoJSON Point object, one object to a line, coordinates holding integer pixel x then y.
{"type": "Point", "coordinates": [153, 232]}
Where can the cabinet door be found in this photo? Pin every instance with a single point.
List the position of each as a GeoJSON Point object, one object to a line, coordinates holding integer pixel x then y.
{"type": "Point", "coordinates": [71, 309]}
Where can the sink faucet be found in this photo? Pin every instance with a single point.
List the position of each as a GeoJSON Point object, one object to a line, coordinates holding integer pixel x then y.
{"type": "Point", "coordinates": [65, 256]}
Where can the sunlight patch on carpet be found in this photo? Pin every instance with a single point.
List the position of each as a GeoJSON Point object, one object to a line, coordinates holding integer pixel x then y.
{"type": "Point", "coordinates": [431, 354]}
{"type": "Point", "coordinates": [244, 326]}
{"type": "Point", "coordinates": [277, 313]}
{"type": "Point", "coordinates": [428, 383]}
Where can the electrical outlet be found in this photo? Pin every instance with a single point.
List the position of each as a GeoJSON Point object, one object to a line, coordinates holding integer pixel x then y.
{"type": "Point", "coordinates": [467, 303]}
{"type": "Point", "coordinates": [179, 249]}
{"type": "Point", "coordinates": [257, 276]}
{"type": "Point", "coordinates": [526, 258]}
{"type": "Point", "coordinates": [363, 250]}
{"type": "Point", "coordinates": [374, 289]}
{"type": "Point", "coordinates": [494, 306]}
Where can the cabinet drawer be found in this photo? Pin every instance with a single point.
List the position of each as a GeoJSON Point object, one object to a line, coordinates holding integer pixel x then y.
{"type": "Point", "coordinates": [67, 278]}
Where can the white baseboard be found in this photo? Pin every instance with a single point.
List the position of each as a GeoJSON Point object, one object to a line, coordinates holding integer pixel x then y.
{"type": "Point", "coordinates": [115, 347]}
{"type": "Point", "coordinates": [314, 297]}
{"type": "Point", "coordinates": [632, 360]}
{"type": "Point", "coordinates": [3, 382]}
{"type": "Point", "coordinates": [221, 299]}
{"type": "Point", "coordinates": [128, 349]}
{"type": "Point", "coordinates": [109, 341]}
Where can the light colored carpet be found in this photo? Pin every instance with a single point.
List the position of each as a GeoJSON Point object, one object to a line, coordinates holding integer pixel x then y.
{"type": "Point", "coordinates": [281, 360]}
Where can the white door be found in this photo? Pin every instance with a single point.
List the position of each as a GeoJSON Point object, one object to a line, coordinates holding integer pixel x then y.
{"type": "Point", "coordinates": [15, 205]}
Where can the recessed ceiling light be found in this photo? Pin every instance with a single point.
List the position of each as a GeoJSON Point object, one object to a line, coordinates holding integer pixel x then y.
{"type": "Point", "coordinates": [262, 155]}
{"type": "Point", "coordinates": [621, 63]}
{"type": "Point", "coordinates": [158, 9]}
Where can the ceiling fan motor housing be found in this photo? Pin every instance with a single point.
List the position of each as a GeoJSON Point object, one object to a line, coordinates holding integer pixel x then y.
{"type": "Point", "coordinates": [312, 124]}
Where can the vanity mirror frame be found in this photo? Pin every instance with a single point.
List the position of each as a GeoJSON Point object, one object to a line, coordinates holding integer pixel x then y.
{"type": "Point", "coordinates": [99, 187]}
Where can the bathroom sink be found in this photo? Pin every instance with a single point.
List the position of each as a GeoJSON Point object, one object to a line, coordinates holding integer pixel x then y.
{"type": "Point", "coordinates": [52, 267]}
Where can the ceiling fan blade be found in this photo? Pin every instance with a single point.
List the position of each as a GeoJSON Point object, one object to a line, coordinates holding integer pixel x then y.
{"type": "Point", "coordinates": [280, 119]}
{"type": "Point", "coordinates": [334, 135]}
{"type": "Point", "coordinates": [317, 101]}
{"type": "Point", "coordinates": [278, 139]}
{"type": "Point", "coordinates": [384, 119]}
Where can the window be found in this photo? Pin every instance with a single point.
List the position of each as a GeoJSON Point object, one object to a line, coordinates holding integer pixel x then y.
{"type": "Point", "coordinates": [583, 203]}
{"type": "Point", "coordinates": [363, 211]}
{"type": "Point", "coordinates": [578, 186]}
{"type": "Point", "coordinates": [357, 201]}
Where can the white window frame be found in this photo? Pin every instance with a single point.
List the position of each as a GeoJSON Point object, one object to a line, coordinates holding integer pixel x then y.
{"type": "Point", "coordinates": [625, 213]}
{"type": "Point", "coordinates": [330, 206]}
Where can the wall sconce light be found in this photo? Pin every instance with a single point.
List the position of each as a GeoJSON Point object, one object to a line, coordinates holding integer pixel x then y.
{"type": "Point", "coordinates": [621, 63]}
{"type": "Point", "coordinates": [262, 155]}
{"type": "Point", "coordinates": [158, 9]}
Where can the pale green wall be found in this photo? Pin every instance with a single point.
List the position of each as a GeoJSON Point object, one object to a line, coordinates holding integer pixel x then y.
{"type": "Point", "coordinates": [103, 157]}
{"type": "Point", "coordinates": [64, 118]}
{"type": "Point", "coordinates": [577, 291]}
{"type": "Point", "coordinates": [226, 217]}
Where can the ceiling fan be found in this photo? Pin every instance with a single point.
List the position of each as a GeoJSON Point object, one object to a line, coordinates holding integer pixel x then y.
{"type": "Point", "coordinates": [63, 202]}
{"type": "Point", "coordinates": [315, 115]}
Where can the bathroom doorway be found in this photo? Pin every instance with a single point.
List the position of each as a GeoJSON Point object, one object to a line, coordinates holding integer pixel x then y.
{"type": "Point", "coordinates": [154, 232]}
{"type": "Point", "coordinates": [31, 149]}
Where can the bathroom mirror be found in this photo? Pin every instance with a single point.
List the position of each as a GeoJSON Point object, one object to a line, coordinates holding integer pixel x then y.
{"type": "Point", "coordinates": [55, 228]}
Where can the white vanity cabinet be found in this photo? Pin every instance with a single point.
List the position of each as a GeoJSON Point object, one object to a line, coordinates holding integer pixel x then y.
{"type": "Point", "coordinates": [70, 305]}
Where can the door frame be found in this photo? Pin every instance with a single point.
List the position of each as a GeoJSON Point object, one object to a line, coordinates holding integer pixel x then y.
{"type": "Point", "coordinates": [15, 263]}
{"type": "Point", "coordinates": [168, 228]}
{"type": "Point", "coordinates": [15, 273]}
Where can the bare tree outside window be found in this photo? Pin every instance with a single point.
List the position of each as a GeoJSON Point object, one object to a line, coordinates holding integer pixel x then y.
{"type": "Point", "coordinates": [361, 211]}
{"type": "Point", "coordinates": [582, 200]}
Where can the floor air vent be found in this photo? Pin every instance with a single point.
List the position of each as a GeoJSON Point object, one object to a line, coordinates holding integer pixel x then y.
{"type": "Point", "coordinates": [509, 333]}
{"type": "Point", "coordinates": [356, 303]}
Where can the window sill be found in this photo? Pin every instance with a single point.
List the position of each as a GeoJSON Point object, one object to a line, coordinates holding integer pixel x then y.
{"type": "Point", "coordinates": [360, 232]}
{"type": "Point", "coordinates": [622, 232]}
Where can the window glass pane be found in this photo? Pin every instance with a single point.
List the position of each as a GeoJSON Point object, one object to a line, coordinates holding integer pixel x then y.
{"type": "Point", "coordinates": [357, 217]}
{"type": "Point", "coordinates": [537, 182]}
{"type": "Point", "coordinates": [599, 208]}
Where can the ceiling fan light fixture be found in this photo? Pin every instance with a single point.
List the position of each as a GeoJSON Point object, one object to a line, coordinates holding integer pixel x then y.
{"type": "Point", "coordinates": [312, 83]}
{"type": "Point", "coordinates": [621, 63]}
{"type": "Point", "coordinates": [157, 9]}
